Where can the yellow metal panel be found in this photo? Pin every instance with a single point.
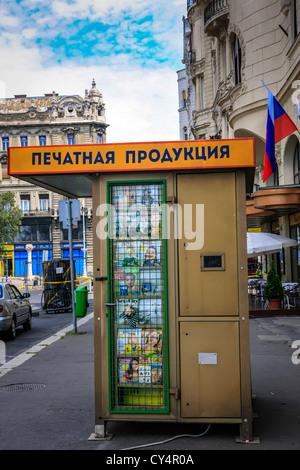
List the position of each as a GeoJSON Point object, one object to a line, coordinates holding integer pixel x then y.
{"type": "Point", "coordinates": [209, 292]}
{"type": "Point", "coordinates": [210, 390]}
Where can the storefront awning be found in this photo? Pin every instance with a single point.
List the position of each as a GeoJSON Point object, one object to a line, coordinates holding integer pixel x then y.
{"type": "Point", "coordinates": [259, 243]}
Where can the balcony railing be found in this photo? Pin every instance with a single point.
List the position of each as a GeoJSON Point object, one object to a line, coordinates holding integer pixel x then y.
{"type": "Point", "coordinates": [37, 212]}
{"type": "Point", "coordinates": [215, 8]}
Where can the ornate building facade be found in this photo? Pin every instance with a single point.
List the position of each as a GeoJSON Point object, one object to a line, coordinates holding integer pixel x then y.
{"type": "Point", "coordinates": [230, 48]}
{"type": "Point", "coordinates": [51, 119]}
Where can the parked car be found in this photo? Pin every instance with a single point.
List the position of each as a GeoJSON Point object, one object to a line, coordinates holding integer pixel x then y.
{"type": "Point", "coordinates": [15, 310]}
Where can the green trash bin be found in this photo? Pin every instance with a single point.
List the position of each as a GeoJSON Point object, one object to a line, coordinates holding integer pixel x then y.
{"type": "Point", "coordinates": [81, 302]}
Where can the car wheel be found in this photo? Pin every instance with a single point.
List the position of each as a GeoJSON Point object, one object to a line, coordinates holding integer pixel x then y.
{"type": "Point", "coordinates": [27, 325]}
{"type": "Point", "coordinates": [12, 332]}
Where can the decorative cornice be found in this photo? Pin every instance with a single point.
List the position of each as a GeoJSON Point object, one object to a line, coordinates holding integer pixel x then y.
{"type": "Point", "coordinates": [70, 130]}
{"type": "Point", "coordinates": [197, 68]}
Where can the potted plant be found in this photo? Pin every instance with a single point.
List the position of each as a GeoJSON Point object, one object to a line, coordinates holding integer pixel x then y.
{"type": "Point", "coordinates": [273, 290]}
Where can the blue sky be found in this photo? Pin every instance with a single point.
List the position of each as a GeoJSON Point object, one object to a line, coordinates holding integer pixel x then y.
{"type": "Point", "coordinates": [131, 48]}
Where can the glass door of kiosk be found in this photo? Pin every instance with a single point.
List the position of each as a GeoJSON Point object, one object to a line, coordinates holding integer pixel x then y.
{"type": "Point", "coordinates": [137, 292]}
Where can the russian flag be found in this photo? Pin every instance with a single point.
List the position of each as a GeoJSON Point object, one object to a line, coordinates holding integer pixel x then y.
{"type": "Point", "coordinates": [279, 126]}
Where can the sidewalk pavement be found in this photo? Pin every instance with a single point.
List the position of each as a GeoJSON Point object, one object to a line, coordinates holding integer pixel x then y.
{"type": "Point", "coordinates": [47, 401]}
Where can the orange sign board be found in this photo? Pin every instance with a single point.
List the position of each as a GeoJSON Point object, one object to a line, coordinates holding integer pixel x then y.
{"type": "Point", "coordinates": [139, 156]}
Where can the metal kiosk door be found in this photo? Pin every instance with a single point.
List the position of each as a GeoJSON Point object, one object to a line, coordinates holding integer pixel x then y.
{"type": "Point", "coordinates": [138, 362]}
{"type": "Point", "coordinates": [208, 291]}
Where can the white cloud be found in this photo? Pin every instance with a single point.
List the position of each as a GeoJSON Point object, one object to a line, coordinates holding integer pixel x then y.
{"type": "Point", "coordinates": [29, 33]}
{"type": "Point", "coordinates": [9, 20]}
{"type": "Point", "coordinates": [140, 105]}
{"type": "Point", "coordinates": [141, 102]}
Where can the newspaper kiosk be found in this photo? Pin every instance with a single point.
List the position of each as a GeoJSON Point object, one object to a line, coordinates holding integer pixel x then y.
{"type": "Point", "coordinates": [171, 327]}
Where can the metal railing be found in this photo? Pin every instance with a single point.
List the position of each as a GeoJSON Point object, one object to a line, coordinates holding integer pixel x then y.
{"type": "Point", "coordinates": [214, 8]}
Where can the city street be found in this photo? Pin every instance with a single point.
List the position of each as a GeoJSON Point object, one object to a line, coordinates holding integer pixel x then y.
{"type": "Point", "coordinates": [43, 325]}
{"type": "Point", "coordinates": [58, 413]}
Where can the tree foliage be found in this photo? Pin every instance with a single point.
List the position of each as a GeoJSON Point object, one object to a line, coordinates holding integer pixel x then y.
{"type": "Point", "coordinates": [10, 219]}
{"type": "Point", "coordinates": [273, 288]}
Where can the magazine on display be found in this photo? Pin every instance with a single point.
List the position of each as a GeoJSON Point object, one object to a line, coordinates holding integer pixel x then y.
{"type": "Point", "coordinates": [129, 341]}
{"type": "Point", "coordinates": [123, 365]}
{"type": "Point", "coordinates": [123, 196]}
{"type": "Point", "coordinates": [156, 374]}
{"type": "Point", "coordinates": [139, 370]}
{"type": "Point", "coordinates": [138, 211]}
{"type": "Point", "coordinates": [150, 282]}
{"type": "Point", "coordinates": [128, 370]}
{"type": "Point", "coordinates": [128, 281]}
{"type": "Point", "coordinates": [151, 340]}
{"type": "Point", "coordinates": [128, 312]}
{"type": "Point", "coordinates": [126, 254]}
{"type": "Point", "coordinates": [150, 253]}
{"type": "Point", "coordinates": [150, 312]}
{"type": "Point", "coordinates": [144, 372]}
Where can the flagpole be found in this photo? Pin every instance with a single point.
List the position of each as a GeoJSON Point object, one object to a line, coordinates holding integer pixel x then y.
{"type": "Point", "coordinates": [266, 86]}
{"type": "Point", "coordinates": [279, 126]}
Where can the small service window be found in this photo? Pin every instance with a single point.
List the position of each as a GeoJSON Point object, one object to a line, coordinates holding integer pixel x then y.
{"type": "Point", "coordinates": [213, 262]}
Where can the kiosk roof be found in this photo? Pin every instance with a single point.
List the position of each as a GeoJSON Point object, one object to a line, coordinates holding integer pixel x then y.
{"type": "Point", "coordinates": [70, 170]}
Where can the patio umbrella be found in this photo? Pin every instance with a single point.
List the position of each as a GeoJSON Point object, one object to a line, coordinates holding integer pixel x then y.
{"type": "Point", "coordinates": [259, 243]}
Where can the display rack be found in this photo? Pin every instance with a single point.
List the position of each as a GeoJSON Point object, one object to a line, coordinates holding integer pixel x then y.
{"type": "Point", "coordinates": [138, 299]}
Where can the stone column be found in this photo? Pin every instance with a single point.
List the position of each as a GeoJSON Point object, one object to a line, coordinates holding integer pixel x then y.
{"type": "Point", "coordinates": [29, 249]}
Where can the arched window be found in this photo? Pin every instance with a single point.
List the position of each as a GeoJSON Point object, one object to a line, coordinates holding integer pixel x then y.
{"type": "Point", "coordinates": [236, 48]}
{"type": "Point", "coordinates": [184, 99]}
{"type": "Point", "coordinates": [297, 164]}
{"type": "Point", "coordinates": [293, 13]}
{"type": "Point", "coordinates": [276, 176]}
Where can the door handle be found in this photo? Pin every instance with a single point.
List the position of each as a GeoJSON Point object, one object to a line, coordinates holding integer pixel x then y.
{"type": "Point", "coordinates": [107, 304]}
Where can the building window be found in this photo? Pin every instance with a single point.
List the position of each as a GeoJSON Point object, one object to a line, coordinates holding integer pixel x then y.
{"type": "Point", "coordinates": [237, 60]}
{"type": "Point", "coordinates": [77, 233]}
{"type": "Point", "coordinates": [185, 133]}
{"type": "Point", "coordinates": [71, 139]}
{"type": "Point", "coordinates": [44, 202]}
{"type": "Point", "coordinates": [184, 99]}
{"type": "Point", "coordinates": [34, 232]}
{"type": "Point", "coordinates": [99, 139]}
{"type": "Point", "coordinates": [202, 88]}
{"type": "Point", "coordinates": [222, 60]}
{"type": "Point", "coordinates": [28, 234]}
{"type": "Point", "coordinates": [5, 143]}
{"type": "Point", "coordinates": [25, 202]}
{"type": "Point", "coordinates": [24, 142]}
{"type": "Point", "coordinates": [297, 164]}
{"type": "Point", "coordinates": [294, 31]}
{"type": "Point", "coordinates": [42, 140]}
{"type": "Point", "coordinates": [200, 92]}
{"type": "Point", "coordinates": [44, 232]}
